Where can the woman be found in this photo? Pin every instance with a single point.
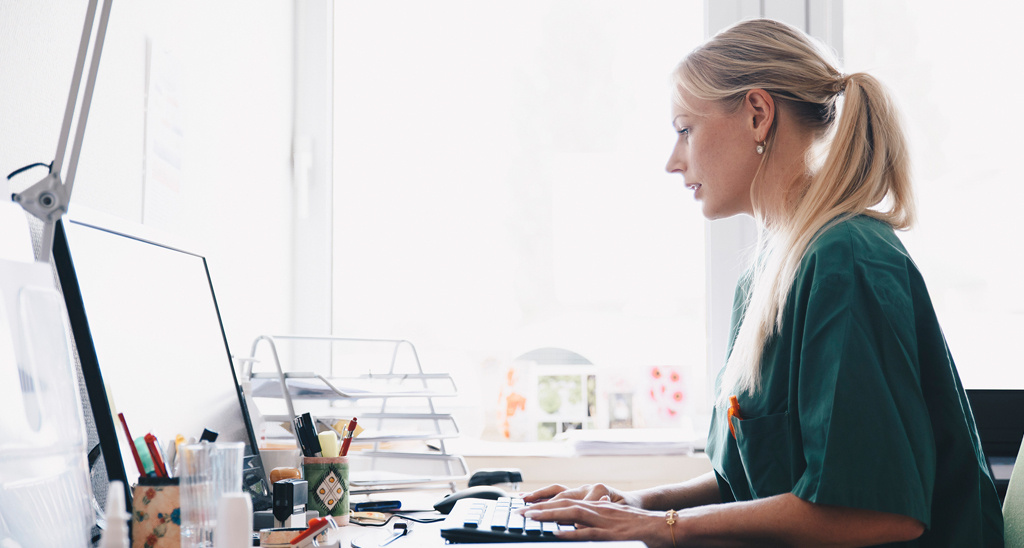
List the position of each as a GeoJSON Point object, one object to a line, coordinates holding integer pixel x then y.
{"type": "Point", "coordinates": [840, 419]}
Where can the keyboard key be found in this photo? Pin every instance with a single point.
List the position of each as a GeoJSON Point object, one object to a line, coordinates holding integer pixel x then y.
{"type": "Point", "coordinates": [516, 522]}
{"type": "Point", "coordinates": [532, 527]}
{"type": "Point", "coordinates": [499, 520]}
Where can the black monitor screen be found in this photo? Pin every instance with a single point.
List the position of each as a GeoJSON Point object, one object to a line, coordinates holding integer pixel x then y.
{"type": "Point", "coordinates": [145, 320]}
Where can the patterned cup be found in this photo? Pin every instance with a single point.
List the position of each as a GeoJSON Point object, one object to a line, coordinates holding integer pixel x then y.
{"type": "Point", "coordinates": [328, 486]}
{"type": "Point", "coordinates": [156, 513]}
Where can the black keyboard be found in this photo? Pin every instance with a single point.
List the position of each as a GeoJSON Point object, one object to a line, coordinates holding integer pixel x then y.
{"type": "Point", "coordinates": [480, 520]}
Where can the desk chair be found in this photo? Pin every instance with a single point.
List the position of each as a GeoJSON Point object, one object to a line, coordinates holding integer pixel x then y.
{"type": "Point", "coordinates": [1013, 506]}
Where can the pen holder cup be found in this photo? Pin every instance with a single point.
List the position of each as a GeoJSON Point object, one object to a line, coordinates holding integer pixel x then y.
{"type": "Point", "coordinates": [156, 513]}
{"type": "Point", "coordinates": [328, 486]}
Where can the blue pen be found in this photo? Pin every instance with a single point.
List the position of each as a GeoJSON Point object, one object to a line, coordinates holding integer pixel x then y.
{"type": "Point", "coordinates": [377, 506]}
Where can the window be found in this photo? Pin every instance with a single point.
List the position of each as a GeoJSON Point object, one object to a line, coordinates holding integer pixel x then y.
{"type": "Point", "coordinates": [950, 70]}
{"type": "Point", "coordinates": [500, 188]}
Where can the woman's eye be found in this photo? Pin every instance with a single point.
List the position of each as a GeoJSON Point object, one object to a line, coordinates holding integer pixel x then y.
{"type": "Point", "coordinates": [685, 131]}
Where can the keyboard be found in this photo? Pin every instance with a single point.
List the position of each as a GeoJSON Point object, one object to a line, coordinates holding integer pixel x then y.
{"type": "Point", "coordinates": [481, 520]}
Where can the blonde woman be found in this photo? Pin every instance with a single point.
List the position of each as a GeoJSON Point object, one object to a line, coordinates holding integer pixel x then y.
{"type": "Point", "coordinates": [840, 418]}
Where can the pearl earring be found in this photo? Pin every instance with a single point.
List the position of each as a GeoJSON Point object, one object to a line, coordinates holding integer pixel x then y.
{"type": "Point", "coordinates": [760, 148]}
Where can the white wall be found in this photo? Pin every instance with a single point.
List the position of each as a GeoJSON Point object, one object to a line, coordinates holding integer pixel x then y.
{"type": "Point", "coordinates": [234, 94]}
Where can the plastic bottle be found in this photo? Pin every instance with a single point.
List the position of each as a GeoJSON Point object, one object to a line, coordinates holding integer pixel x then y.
{"type": "Point", "coordinates": [116, 534]}
{"type": "Point", "coordinates": [234, 521]}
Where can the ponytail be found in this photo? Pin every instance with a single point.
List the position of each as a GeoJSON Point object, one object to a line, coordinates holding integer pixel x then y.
{"type": "Point", "coordinates": [865, 169]}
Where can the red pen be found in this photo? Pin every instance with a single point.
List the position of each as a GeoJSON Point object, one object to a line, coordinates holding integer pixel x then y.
{"type": "Point", "coordinates": [135, 452]}
{"type": "Point", "coordinates": [158, 460]}
{"type": "Point", "coordinates": [348, 437]}
{"type": "Point", "coordinates": [734, 411]}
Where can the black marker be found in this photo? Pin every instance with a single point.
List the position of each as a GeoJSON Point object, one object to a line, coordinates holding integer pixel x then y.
{"type": "Point", "coordinates": [208, 435]}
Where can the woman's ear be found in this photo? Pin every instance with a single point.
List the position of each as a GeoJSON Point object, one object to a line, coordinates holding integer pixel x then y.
{"type": "Point", "coordinates": [759, 106]}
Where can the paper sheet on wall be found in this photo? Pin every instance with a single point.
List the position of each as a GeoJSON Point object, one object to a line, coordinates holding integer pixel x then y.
{"type": "Point", "coordinates": [161, 196]}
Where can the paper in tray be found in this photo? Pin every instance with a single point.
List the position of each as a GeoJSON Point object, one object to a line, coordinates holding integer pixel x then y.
{"type": "Point", "coordinates": [315, 388]}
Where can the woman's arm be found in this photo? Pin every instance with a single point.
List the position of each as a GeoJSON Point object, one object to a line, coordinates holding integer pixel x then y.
{"type": "Point", "coordinates": [695, 492]}
{"type": "Point", "coordinates": [791, 521]}
{"type": "Point", "coordinates": [782, 520]}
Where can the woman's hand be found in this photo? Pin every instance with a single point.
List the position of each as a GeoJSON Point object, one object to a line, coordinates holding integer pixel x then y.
{"type": "Point", "coordinates": [601, 519]}
{"type": "Point", "coordinates": [597, 491]}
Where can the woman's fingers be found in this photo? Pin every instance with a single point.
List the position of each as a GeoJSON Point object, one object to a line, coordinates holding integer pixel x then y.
{"type": "Point", "coordinates": [596, 491]}
{"type": "Point", "coordinates": [544, 493]}
{"type": "Point", "coordinates": [594, 520]}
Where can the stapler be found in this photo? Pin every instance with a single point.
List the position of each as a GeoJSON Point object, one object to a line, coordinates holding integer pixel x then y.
{"type": "Point", "coordinates": [290, 496]}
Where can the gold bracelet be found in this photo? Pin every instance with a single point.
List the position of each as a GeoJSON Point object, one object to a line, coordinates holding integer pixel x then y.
{"type": "Point", "coordinates": [670, 519]}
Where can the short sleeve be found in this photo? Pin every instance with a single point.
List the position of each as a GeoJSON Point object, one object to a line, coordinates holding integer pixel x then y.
{"type": "Point", "coordinates": [866, 434]}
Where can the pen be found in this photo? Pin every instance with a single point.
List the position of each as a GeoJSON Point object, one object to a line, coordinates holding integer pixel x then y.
{"type": "Point", "coordinates": [734, 411]}
{"type": "Point", "coordinates": [348, 437]}
{"type": "Point", "coordinates": [135, 452]}
{"type": "Point", "coordinates": [154, 452]}
{"type": "Point", "coordinates": [179, 440]}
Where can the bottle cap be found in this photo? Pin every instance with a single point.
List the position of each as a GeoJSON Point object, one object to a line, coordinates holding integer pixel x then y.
{"type": "Point", "coordinates": [116, 533]}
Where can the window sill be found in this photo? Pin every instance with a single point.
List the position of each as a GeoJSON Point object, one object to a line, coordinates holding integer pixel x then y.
{"type": "Point", "coordinates": [546, 463]}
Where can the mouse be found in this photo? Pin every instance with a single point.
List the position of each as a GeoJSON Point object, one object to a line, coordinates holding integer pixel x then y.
{"type": "Point", "coordinates": [479, 492]}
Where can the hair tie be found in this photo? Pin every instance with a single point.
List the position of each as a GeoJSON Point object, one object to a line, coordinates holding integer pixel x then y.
{"type": "Point", "coordinates": [842, 81]}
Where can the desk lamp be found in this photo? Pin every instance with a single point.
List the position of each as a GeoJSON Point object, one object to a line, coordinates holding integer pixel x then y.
{"type": "Point", "coordinates": [48, 199]}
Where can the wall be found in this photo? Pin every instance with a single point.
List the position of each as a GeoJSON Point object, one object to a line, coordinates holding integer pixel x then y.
{"type": "Point", "coordinates": [228, 74]}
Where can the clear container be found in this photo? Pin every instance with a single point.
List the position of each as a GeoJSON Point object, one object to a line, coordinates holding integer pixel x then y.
{"type": "Point", "coordinates": [45, 491]}
{"type": "Point", "coordinates": [208, 471]}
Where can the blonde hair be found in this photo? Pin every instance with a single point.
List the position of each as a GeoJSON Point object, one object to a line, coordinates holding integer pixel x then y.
{"type": "Point", "coordinates": [862, 168]}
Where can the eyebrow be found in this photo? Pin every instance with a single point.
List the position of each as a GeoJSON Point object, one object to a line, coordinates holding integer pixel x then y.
{"type": "Point", "coordinates": [679, 119]}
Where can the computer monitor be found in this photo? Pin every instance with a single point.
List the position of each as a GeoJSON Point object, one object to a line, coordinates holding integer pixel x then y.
{"type": "Point", "coordinates": [997, 414]}
{"type": "Point", "coordinates": [145, 321]}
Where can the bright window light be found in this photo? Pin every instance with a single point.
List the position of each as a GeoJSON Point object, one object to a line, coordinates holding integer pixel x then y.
{"type": "Point", "coordinates": [958, 93]}
{"type": "Point", "coordinates": [500, 188]}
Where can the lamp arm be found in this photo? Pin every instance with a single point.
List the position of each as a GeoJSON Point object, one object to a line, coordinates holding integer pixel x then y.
{"type": "Point", "coordinates": [48, 199]}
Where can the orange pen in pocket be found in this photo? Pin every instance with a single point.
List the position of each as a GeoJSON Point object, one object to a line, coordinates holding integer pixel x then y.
{"type": "Point", "coordinates": [734, 411]}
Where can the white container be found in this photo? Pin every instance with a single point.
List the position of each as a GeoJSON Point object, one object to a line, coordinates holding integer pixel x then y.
{"type": "Point", "coordinates": [234, 521]}
{"type": "Point", "coordinates": [45, 492]}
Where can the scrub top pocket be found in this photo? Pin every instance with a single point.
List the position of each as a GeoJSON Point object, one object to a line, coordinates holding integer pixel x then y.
{"type": "Point", "coordinates": [766, 452]}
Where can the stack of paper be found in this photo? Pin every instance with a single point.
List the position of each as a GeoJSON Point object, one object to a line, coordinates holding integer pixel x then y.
{"type": "Point", "coordinates": [634, 441]}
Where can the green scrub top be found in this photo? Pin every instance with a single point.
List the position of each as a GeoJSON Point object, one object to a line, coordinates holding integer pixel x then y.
{"type": "Point", "coordinates": [861, 405]}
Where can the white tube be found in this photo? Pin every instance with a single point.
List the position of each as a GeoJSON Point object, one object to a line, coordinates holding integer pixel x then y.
{"type": "Point", "coordinates": [234, 521]}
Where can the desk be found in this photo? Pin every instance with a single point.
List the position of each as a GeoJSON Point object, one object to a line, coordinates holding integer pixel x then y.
{"type": "Point", "coordinates": [428, 535]}
{"type": "Point", "coordinates": [630, 472]}
{"type": "Point", "coordinates": [622, 472]}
